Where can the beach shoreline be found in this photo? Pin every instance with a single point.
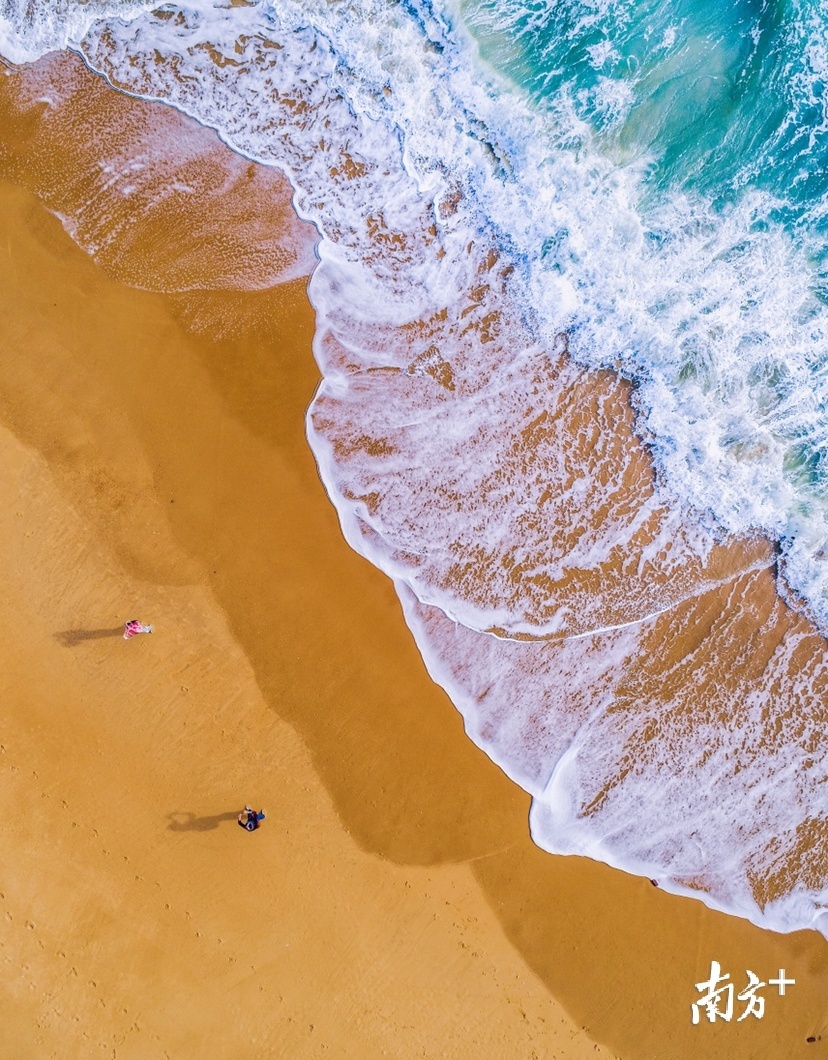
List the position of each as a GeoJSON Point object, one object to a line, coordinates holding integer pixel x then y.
{"type": "Point", "coordinates": [155, 449]}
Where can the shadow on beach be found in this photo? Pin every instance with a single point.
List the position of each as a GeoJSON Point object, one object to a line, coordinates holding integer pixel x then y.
{"type": "Point", "coordinates": [188, 822]}
{"type": "Point", "coordinates": [69, 638]}
{"type": "Point", "coordinates": [425, 794]}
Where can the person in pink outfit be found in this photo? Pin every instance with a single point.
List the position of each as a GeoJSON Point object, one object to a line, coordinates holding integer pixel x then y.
{"type": "Point", "coordinates": [134, 627]}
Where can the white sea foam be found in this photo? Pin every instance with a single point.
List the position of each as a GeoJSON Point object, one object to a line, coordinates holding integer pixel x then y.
{"type": "Point", "coordinates": [29, 30]}
{"type": "Point", "coordinates": [644, 774]}
{"type": "Point", "coordinates": [445, 423]}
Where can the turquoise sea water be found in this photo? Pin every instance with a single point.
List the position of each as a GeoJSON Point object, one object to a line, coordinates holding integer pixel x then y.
{"type": "Point", "coordinates": [723, 107]}
{"type": "Point", "coordinates": [715, 97]}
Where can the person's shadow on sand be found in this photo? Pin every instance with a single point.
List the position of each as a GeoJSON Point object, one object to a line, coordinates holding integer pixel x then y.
{"type": "Point", "coordinates": [191, 823]}
{"type": "Point", "coordinates": [69, 638]}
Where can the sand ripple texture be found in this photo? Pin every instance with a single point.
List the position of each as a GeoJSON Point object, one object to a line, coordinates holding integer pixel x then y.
{"type": "Point", "coordinates": [623, 661]}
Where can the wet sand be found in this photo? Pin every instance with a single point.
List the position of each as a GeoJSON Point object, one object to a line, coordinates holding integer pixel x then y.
{"type": "Point", "coordinates": [155, 466]}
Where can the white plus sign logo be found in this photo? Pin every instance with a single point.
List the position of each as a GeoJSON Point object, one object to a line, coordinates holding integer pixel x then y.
{"type": "Point", "coordinates": [781, 982]}
{"type": "Point", "coordinates": [718, 995]}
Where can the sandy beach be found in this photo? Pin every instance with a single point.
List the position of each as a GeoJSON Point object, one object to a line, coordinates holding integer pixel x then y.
{"type": "Point", "coordinates": [155, 466]}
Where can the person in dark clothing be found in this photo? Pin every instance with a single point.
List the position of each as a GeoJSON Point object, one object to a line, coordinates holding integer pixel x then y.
{"type": "Point", "coordinates": [250, 819]}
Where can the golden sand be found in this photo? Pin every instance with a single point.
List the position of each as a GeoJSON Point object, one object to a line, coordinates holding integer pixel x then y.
{"type": "Point", "coordinates": [140, 919]}
{"type": "Point", "coordinates": [154, 466]}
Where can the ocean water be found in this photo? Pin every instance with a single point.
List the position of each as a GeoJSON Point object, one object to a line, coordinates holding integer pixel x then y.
{"type": "Point", "coordinates": [523, 206]}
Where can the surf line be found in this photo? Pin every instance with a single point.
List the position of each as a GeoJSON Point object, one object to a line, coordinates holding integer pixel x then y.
{"type": "Point", "coordinates": [626, 625]}
{"type": "Point", "coordinates": [676, 603]}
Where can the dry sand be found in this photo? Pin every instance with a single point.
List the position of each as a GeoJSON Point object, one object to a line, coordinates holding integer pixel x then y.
{"type": "Point", "coordinates": [140, 921]}
{"type": "Point", "coordinates": [154, 465]}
